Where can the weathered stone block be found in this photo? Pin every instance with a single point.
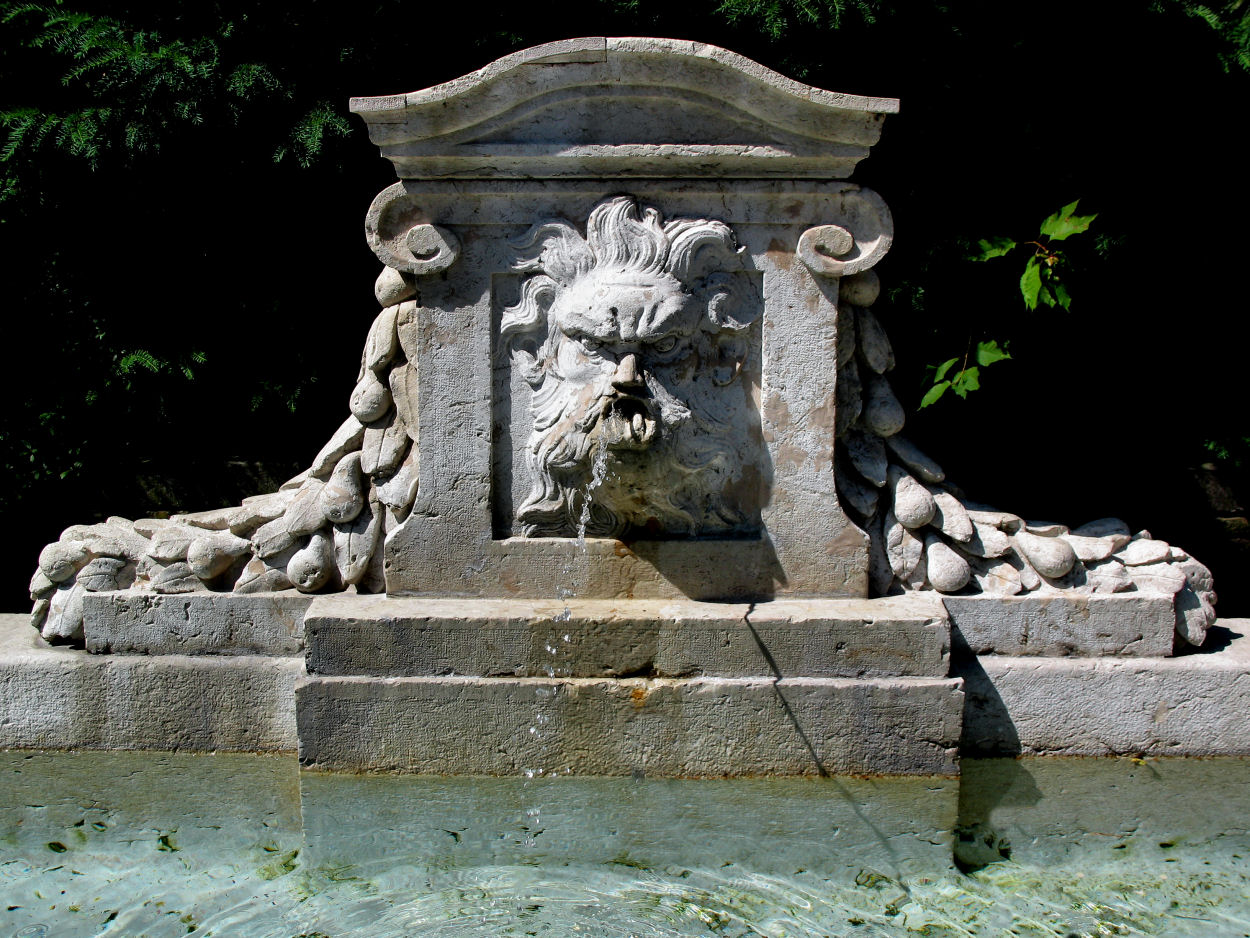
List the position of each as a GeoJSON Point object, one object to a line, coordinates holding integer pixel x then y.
{"type": "Point", "coordinates": [63, 698]}
{"type": "Point", "coordinates": [701, 727]}
{"type": "Point", "coordinates": [201, 623]}
{"type": "Point", "coordinates": [604, 638]}
{"type": "Point", "coordinates": [1133, 624]}
{"type": "Point", "coordinates": [1194, 705]}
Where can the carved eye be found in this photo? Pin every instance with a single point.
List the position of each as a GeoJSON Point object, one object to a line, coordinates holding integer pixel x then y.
{"type": "Point", "coordinates": [591, 345]}
{"type": "Point", "coordinates": [665, 344]}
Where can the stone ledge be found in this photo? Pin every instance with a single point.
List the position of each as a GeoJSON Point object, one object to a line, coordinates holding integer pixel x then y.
{"type": "Point", "coordinates": [412, 637]}
{"type": "Point", "coordinates": [1059, 624]}
{"type": "Point", "coordinates": [62, 698]}
{"type": "Point", "coordinates": [703, 727]}
{"type": "Point", "coordinates": [134, 621]}
{"type": "Point", "coordinates": [1195, 705]}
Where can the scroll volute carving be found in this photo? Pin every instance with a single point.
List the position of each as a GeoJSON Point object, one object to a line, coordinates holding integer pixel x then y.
{"type": "Point", "coordinates": [860, 239]}
{"type": "Point", "coordinates": [404, 239]}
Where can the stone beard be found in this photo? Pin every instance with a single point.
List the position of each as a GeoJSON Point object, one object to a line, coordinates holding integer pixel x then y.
{"type": "Point", "coordinates": [634, 340]}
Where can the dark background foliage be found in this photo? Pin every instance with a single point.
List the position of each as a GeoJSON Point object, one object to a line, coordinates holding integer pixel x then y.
{"type": "Point", "coordinates": [187, 286]}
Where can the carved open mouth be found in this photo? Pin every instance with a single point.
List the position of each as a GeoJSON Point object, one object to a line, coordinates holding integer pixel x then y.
{"type": "Point", "coordinates": [627, 423]}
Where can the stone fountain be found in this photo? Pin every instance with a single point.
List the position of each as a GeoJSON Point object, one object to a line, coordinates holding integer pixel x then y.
{"type": "Point", "coordinates": [621, 486]}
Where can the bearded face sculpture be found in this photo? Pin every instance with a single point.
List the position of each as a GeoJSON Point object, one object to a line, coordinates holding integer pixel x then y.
{"type": "Point", "coordinates": [634, 340]}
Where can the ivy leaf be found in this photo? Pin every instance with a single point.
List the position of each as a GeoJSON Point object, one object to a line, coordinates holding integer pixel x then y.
{"type": "Point", "coordinates": [1065, 223]}
{"type": "Point", "coordinates": [943, 368]}
{"type": "Point", "coordinates": [988, 248]}
{"type": "Point", "coordinates": [1031, 282]}
{"type": "Point", "coordinates": [989, 352]}
{"type": "Point", "coordinates": [935, 392]}
{"type": "Point", "coordinates": [966, 380]}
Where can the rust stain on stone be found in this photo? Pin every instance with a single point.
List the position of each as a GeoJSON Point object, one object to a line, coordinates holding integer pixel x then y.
{"type": "Point", "coordinates": [780, 254]}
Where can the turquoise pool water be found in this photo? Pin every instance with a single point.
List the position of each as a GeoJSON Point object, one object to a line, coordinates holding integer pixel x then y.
{"type": "Point", "coordinates": [127, 844]}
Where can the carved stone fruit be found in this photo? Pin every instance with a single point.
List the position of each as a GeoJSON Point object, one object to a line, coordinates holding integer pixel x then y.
{"type": "Point", "coordinates": [257, 510]}
{"type": "Point", "coordinates": [846, 333]}
{"type": "Point", "coordinates": [867, 454]}
{"type": "Point", "coordinates": [903, 548]}
{"type": "Point", "coordinates": [1052, 557]}
{"type": "Point", "coordinates": [880, 574]}
{"type": "Point", "coordinates": [312, 565]}
{"type": "Point", "coordinates": [272, 538]}
{"type": "Point", "coordinates": [383, 447]}
{"type": "Point", "coordinates": [305, 515]}
{"type": "Point", "coordinates": [105, 573]}
{"type": "Point", "coordinates": [1094, 549]}
{"type": "Point", "coordinates": [948, 572]}
{"type": "Point", "coordinates": [399, 491]}
{"type": "Point", "coordinates": [403, 383]}
{"type": "Point", "coordinates": [1158, 578]}
{"type": "Point", "coordinates": [1141, 552]}
{"type": "Point", "coordinates": [999, 579]}
{"type": "Point", "coordinates": [391, 287]}
{"type": "Point", "coordinates": [147, 527]}
{"type": "Point", "coordinates": [987, 541]}
{"type": "Point", "coordinates": [874, 347]}
{"type": "Point", "coordinates": [951, 518]}
{"type": "Point", "coordinates": [177, 578]}
{"type": "Point", "coordinates": [60, 560]}
{"type": "Point", "coordinates": [343, 496]}
{"type": "Point", "coordinates": [354, 544]}
{"type": "Point", "coordinates": [346, 438]}
{"type": "Point", "coordinates": [1004, 521]}
{"type": "Point", "coordinates": [849, 399]}
{"type": "Point", "coordinates": [40, 585]}
{"type": "Point", "coordinates": [210, 557]}
{"type": "Point", "coordinates": [260, 576]}
{"type": "Point", "coordinates": [1108, 576]}
{"type": "Point", "coordinates": [170, 544]}
{"type": "Point", "coordinates": [1102, 528]}
{"type": "Point", "coordinates": [370, 399]}
{"type": "Point", "coordinates": [920, 465]}
{"type": "Point", "coordinates": [861, 497]}
{"type": "Point", "coordinates": [882, 413]}
{"type": "Point", "coordinates": [913, 505]}
{"type": "Point", "coordinates": [860, 289]}
{"type": "Point", "coordinates": [64, 618]}
{"type": "Point", "coordinates": [217, 519]}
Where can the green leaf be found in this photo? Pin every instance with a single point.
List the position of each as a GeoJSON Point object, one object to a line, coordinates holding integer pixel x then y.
{"type": "Point", "coordinates": [943, 368]}
{"type": "Point", "coordinates": [966, 380]}
{"type": "Point", "coordinates": [935, 392]}
{"type": "Point", "coordinates": [989, 352]}
{"type": "Point", "coordinates": [1031, 282]}
{"type": "Point", "coordinates": [988, 248]}
{"type": "Point", "coordinates": [1060, 293]}
{"type": "Point", "coordinates": [1065, 223]}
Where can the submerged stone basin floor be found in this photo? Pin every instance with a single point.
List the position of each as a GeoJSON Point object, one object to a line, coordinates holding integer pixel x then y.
{"type": "Point", "coordinates": [152, 844]}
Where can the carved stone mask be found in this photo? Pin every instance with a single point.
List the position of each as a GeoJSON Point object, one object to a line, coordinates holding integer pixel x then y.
{"type": "Point", "coordinates": [629, 352]}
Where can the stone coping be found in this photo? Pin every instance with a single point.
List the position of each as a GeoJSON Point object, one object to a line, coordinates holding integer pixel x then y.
{"type": "Point", "coordinates": [1192, 705]}
{"type": "Point", "coordinates": [54, 697]}
{"type": "Point", "coordinates": [418, 636]}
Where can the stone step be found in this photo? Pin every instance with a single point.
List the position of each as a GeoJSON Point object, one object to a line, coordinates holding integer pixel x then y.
{"type": "Point", "coordinates": [1058, 624]}
{"type": "Point", "coordinates": [201, 623]}
{"type": "Point", "coordinates": [678, 727]}
{"type": "Point", "coordinates": [413, 637]}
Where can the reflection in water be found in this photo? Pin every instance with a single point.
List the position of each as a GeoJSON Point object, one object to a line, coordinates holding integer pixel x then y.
{"type": "Point", "coordinates": [132, 844]}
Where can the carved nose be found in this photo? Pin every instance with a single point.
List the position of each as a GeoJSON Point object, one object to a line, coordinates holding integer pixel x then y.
{"type": "Point", "coordinates": [627, 377]}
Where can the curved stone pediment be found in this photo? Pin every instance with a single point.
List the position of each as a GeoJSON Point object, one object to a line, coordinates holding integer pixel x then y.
{"type": "Point", "coordinates": [624, 107]}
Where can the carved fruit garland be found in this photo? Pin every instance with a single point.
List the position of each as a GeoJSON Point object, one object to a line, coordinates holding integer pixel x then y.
{"type": "Point", "coordinates": [321, 531]}
{"type": "Point", "coordinates": [925, 535]}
